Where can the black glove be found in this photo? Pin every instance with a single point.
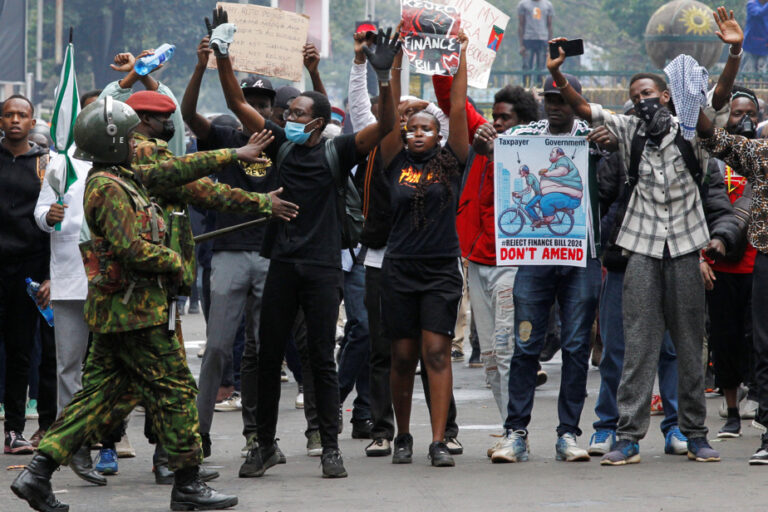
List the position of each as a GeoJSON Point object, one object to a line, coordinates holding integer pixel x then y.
{"type": "Point", "coordinates": [381, 59]}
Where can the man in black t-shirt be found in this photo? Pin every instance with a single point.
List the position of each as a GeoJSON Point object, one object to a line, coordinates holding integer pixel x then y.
{"type": "Point", "coordinates": [238, 271]}
{"type": "Point", "coordinates": [305, 267]}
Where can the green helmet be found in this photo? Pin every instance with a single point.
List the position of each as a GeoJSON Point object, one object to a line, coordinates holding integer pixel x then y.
{"type": "Point", "coordinates": [102, 131]}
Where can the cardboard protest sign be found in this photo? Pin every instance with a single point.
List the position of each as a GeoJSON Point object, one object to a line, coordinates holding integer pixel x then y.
{"type": "Point", "coordinates": [484, 25]}
{"type": "Point", "coordinates": [541, 200]}
{"type": "Point", "coordinates": [268, 41]}
{"type": "Point", "coordinates": [429, 37]}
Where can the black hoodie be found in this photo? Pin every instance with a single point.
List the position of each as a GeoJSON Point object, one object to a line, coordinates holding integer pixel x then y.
{"type": "Point", "coordinates": [20, 238]}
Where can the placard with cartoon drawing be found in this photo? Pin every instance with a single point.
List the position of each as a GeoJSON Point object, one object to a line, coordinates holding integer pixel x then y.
{"type": "Point", "coordinates": [429, 35]}
{"type": "Point", "coordinates": [541, 200]}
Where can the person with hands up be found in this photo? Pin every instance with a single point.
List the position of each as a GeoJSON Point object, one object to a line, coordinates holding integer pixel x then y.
{"type": "Point", "coordinates": [305, 256]}
{"type": "Point", "coordinates": [662, 228]}
{"type": "Point", "coordinates": [421, 273]}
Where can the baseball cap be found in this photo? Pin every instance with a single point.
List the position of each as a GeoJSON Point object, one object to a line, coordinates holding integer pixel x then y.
{"type": "Point", "coordinates": [284, 96]}
{"type": "Point", "coordinates": [257, 84]}
{"type": "Point", "coordinates": [551, 88]}
{"type": "Point", "coordinates": [337, 114]}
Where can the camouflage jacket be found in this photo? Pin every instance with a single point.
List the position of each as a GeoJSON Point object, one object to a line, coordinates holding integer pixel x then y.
{"type": "Point", "coordinates": [129, 268]}
{"type": "Point", "coordinates": [203, 194]}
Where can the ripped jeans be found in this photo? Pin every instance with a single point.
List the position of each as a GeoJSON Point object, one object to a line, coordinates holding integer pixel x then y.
{"type": "Point", "coordinates": [490, 292]}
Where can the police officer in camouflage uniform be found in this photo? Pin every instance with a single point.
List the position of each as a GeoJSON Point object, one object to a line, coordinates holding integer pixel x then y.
{"type": "Point", "coordinates": [152, 135]}
{"type": "Point", "coordinates": [134, 356]}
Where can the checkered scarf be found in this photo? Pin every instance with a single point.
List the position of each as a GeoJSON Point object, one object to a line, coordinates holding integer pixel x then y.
{"type": "Point", "coordinates": [688, 86]}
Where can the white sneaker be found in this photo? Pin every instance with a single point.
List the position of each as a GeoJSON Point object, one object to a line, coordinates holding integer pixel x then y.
{"type": "Point", "coordinates": [601, 442]}
{"type": "Point", "coordinates": [748, 409]}
{"type": "Point", "coordinates": [566, 449]}
{"type": "Point", "coordinates": [495, 446]}
{"type": "Point", "coordinates": [201, 352]}
{"type": "Point", "coordinates": [299, 403]}
{"type": "Point", "coordinates": [513, 447]}
{"type": "Point", "coordinates": [233, 403]}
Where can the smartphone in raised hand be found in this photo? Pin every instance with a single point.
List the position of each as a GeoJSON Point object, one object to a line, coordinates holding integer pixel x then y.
{"type": "Point", "coordinates": [571, 47]}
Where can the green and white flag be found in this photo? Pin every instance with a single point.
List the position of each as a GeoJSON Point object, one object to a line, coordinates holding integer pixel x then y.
{"type": "Point", "coordinates": [63, 128]}
{"type": "Point", "coordinates": [64, 115]}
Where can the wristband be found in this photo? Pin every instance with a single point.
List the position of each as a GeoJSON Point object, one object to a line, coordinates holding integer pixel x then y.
{"type": "Point", "coordinates": [561, 87]}
{"type": "Point", "coordinates": [735, 56]}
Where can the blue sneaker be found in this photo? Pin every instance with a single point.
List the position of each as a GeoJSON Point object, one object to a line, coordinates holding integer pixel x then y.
{"type": "Point", "coordinates": [624, 452]}
{"type": "Point", "coordinates": [675, 443]}
{"type": "Point", "coordinates": [513, 447]}
{"type": "Point", "coordinates": [601, 442]}
{"type": "Point", "coordinates": [700, 450]}
{"type": "Point", "coordinates": [106, 464]}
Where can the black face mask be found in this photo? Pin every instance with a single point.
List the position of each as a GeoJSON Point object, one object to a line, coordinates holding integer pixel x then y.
{"type": "Point", "coordinates": [657, 118]}
{"type": "Point", "coordinates": [168, 129]}
{"type": "Point", "coordinates": [745, 127]}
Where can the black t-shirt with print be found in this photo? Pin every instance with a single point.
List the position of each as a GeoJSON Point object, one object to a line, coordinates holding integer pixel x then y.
{"type": "Point", "coordinates": [436, 237]}
{"type": "Point", "coordinates": [314, 236]}
{"type": "Point", "coordinates": [250, 177]}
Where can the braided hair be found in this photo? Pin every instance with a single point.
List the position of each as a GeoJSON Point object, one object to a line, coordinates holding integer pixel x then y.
{"type": "Point", "coordinates": [442, 167]}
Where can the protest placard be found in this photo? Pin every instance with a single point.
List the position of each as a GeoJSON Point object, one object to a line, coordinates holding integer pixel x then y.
{"type": "Point", "coordinates": [541, 200]}
{"type": "Point", "coordinates": [268, 41]}
{"type": "Point", "coordinates": [484, 25]}
{"type": "Point", "coordinates": [429, 37]}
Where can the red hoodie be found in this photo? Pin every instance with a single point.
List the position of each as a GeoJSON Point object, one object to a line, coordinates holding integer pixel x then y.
{"type": "Point", "coordinates": [474, 218]}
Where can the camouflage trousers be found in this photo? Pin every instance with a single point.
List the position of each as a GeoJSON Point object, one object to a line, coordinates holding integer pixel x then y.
{"type": "Point", "coordinates": [123, 369]}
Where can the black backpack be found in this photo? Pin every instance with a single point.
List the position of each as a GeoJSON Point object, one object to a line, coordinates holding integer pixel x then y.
{"type": "Point", "coordinates": [349, 206]}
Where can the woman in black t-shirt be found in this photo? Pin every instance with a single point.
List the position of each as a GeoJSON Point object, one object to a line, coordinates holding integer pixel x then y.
{"type": "Point", "coordinates": [422, 281]}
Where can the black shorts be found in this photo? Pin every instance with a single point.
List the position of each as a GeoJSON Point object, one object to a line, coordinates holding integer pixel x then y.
{"type": "Point", "coordinates": [420, 294]}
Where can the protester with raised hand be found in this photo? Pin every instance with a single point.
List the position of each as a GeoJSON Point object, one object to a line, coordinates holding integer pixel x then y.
{"type": "Point", "coordinates": [121, 89]}
{"type": "Point", "coordinates": [663, 229]}
{"type": "Point", "coordinates": [305, 259]}
{"type": "Point", "coordinates": [422, 281]}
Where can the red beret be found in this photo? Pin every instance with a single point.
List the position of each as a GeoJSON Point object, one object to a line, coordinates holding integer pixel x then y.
{"type": "Point", "coordinates": [151, 101]}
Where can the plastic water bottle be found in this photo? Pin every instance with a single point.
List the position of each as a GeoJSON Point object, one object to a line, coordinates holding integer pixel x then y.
{"type": "Point", "coordinates": [149, 62]}
{"type": "Point", "coordinates": [32, 288]}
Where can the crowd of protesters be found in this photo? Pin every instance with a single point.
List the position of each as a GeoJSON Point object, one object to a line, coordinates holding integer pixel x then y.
{"type": "Point", "coordinates": [388, 206]}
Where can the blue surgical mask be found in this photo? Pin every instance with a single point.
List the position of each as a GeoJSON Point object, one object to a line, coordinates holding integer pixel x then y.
{"type": "Point", "coordinates": [295, 133]}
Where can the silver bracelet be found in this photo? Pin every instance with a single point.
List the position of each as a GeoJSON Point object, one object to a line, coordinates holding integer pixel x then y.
{"type": "Point", "coordinates": [735, 56]}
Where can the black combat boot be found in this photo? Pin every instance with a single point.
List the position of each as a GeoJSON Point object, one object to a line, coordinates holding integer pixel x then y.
{"type": "Point", "coordinates": [163, 474]}
{"type": "Point", "coordinates": [82, 465]}
{"type": "Point", "coordinates": [34, 485]}
{"type": "Point", "coordinates": [191, 493]}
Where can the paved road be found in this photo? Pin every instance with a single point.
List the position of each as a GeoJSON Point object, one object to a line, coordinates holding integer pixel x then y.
{"type": "Point", "coordinates": [660, 483]}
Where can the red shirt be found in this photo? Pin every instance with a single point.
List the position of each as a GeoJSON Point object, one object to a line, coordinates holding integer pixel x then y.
{"type": "Point", "coordinates": [734, 183]}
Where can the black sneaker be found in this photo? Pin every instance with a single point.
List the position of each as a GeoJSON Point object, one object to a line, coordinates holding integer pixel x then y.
{"type": "Point", "coordinates": [761, 455]}
{"type": "Point", "coordinates": [732, 427]}
{"type": "Point", "coordinates": [457, 356]}
{"type": "Point", "coordinates": [403, 449]}
{"type": "Point", "coordinates": [333, 464]}
{"type": "Point", "coordinates": [440, 456]}
{"type": "Point", "coordinates": [362, 429]}
{"type": "Point", "coordinates": [206, 438]}
{"type": "Point", "coordinates": [474, 359]}
{"type": "Point", "coordinates": [259, 460]}
{"type": "Point", "coordinates": [16, 444]}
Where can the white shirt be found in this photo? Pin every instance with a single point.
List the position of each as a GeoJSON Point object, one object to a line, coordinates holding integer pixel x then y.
{"type": "Point", "coordinates": [68, 280]}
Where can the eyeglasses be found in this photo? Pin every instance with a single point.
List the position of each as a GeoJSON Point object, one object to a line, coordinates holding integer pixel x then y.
{"type": "Point", "coordinates": [295, 114]}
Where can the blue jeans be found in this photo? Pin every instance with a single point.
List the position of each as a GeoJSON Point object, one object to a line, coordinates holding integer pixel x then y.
{"type": "Point", "coordinates": [354, 364]}
{"type": "Point", "coordinates": [558, 201]}
{"type": "Point", "coordinates": [612, 362]}
{"type": "Point", "coordinates": [577, 291]}
{"type": "Point", "coordinates": [530, 207]}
